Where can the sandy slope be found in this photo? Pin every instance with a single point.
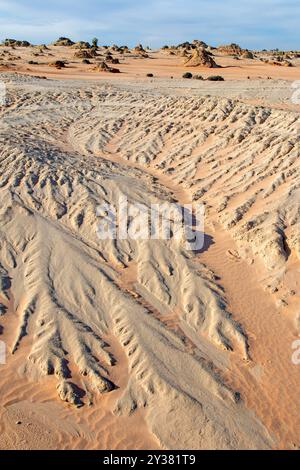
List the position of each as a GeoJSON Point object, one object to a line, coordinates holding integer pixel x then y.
{"type": "Point", "coordinates": [147, 335]}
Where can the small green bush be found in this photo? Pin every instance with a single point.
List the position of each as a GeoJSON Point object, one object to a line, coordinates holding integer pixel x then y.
{"type": "Point", "coordinates": [187, 75]}
{"type": "Point", "coordinates": [198, 77]}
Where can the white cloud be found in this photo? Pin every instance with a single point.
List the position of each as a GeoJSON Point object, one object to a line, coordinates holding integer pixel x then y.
{"type": "Point", "coordinates": [264, 23]}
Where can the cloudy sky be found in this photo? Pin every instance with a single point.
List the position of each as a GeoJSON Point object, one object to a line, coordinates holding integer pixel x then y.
{"type": "Point", "coordinates": [251, 23]}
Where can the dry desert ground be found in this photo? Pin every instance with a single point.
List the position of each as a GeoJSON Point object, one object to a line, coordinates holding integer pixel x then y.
{"type": "Point", "coordinates": [145, 344]}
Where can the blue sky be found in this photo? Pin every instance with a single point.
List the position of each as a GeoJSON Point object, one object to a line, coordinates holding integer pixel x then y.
{"type": "Point", "coordinates": [251, 23]}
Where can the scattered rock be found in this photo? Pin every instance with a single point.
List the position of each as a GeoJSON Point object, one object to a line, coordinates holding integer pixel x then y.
{"type": "Point", "coordinates": [281, 303]}
{"type": "Point", "coordinates": [271, 289]}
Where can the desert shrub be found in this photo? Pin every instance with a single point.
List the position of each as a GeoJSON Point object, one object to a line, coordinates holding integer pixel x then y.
{"type": "Point", "coordinates": [198, 77]}
{"type": "Point", "coordinates": [14, 42]}
{"type": "Point", "coordinates": [113, 70]}
{"type": "Point", "coordinates": [95, 42]}
{"type": "Point", "coordinates": [59, 64]}
{"type": "Point", "coordinates": [9, 42]}
{"type": "Point", "coordinates": [150, 75]}
{"type": "Point", "coordinates": [32, 62]}
{"type": "Point", "coordinates": [187, 75]}
{"type": "Point", "coordinates": [86, 61]}
{"type": "Point", "coordinates": [215, 78]}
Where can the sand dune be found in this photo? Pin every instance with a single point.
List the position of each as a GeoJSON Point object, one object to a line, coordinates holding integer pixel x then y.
{"type": "Point", "coordinates": [147, 333]}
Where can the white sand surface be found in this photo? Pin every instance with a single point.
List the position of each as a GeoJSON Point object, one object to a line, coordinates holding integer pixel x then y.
{"type": "Point", "coordinates": [161, 347]}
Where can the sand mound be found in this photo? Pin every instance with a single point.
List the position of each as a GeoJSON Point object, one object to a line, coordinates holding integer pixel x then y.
{"type": "Point", "coordinates": [280, 63]}
{"type": "Point", "coordinates": [139, 50]}
{"type": "Point", "coordinates": [112, 60]}
{"type": "Point", "coordinates": [184, 53]}
{"type": "Point", "coordinates": [62, 41]}
{"type": "Point", "coordinates": [200, 58]}
{"type": "Point", "coordinates": [231, 49]}
{"type": "Point", "coordinates": [81, 45]}
{"type": "Point", "coordinates": [198, 43]}
{"type": "Point", "coordinates": [103, 67]}
{"type": "Point", "coordinates": [85, 54]}
{"type": "Point", "coordinates": [248, 55]}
